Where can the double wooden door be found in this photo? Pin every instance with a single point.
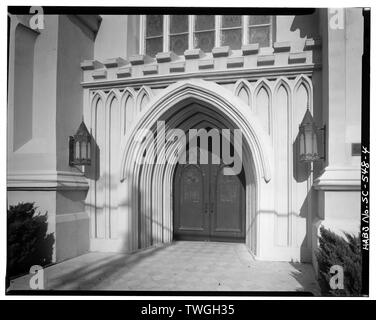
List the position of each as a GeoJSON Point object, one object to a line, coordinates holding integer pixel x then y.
{"type": "Point", "coordinates": [208, 205]}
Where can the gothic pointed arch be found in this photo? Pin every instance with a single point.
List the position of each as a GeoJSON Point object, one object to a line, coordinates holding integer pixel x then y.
{"type": "Point", "coordinates": [144, 96]}
{"type": "Point", "coordinates": [128, 109]}
{"type": "Point", "coordinates": [263, 103]}
{"type": "Point", "coordinates": [242, 90]}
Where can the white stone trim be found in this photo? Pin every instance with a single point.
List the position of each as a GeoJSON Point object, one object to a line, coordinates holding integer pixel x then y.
{"type": "Point", "coordinates": [214, 75]}
{"type": "Point", "coordinates": [338, 179]}
{"type": "Point", "coordinates": [42, 180]}
{"type": "Point", "coordinates": [69, 217]}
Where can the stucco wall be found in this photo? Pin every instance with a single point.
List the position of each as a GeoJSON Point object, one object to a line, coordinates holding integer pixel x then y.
{"type": "Point", "coordinates": [112, 35]}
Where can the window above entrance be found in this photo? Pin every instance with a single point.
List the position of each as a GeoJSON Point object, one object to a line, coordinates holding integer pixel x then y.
{"type": "Point", "coordinates": [177, 33]}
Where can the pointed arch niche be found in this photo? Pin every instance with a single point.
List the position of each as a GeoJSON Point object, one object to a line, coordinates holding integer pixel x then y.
{"type": "Point", "coordinates": [242, 89]}
{"type": "Point", "coordinates": [263, 96]}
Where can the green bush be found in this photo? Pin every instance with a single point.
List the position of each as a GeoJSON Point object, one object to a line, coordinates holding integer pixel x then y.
{"type": "Point", "coordinates": [28, 243]}
{"type": "Point", "coordinates": [342, 251]}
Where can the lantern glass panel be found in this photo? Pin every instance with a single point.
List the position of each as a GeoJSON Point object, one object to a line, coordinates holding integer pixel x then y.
{"type": "Point", "coordinates": [88, 150]}
{"type": "Point", "coordinates": [308, 140]}
{"type": "Point", "coordinates": [83, 150]}
{"type": "Point", "coordinates": [77, 152]}
{"type": "Point", "coordinates": [302, 145]}
{"type": "Point", "coordinates": [314, 143]}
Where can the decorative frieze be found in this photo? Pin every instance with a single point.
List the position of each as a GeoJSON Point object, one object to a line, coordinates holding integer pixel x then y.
{"type": "Point", "coordinates": [250, 57]}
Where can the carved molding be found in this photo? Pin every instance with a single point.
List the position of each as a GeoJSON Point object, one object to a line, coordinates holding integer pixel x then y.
{"type": "Point", "coordinates": [46, 180]}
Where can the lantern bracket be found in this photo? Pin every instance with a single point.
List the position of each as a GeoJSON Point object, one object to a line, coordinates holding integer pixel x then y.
{"type": "Point", "coordinates": [323, 130]}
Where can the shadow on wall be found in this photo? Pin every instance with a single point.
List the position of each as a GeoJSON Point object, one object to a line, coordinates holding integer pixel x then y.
{"type": "Point", "coordinates": [306, 277]}
{"type": "Point", "coordinates": [306, 24]}
{"type": "Point", "coordinates": [92, 172]}
{"type": "Point", "coordinates": [28, 243]}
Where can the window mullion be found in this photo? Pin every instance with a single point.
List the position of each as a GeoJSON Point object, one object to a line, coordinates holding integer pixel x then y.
{"type": "Point", "coordinates": [191, 29]}
{"type": "Point", "coordinates": [271, 31]}
{"type": "Point", "coordinates": [245, 29]}
{"type": "Point", "coordinates": [141, 48]}
{"type": "Point", "coordinates": [166, 36]}
{"type": "Point", "coordinates": [217, 41]}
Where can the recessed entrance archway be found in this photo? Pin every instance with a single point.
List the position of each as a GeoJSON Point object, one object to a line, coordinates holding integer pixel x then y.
{"type": "Point", "coordinates": [146, 190]}
{"type": "Point", "coordinates": [208, 205]}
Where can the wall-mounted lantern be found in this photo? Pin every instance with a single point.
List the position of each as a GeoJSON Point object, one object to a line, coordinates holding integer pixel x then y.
{"type": "Point", "coordinates": [308, 132]}
{"type": "Point", "coordinates": [80, 146]}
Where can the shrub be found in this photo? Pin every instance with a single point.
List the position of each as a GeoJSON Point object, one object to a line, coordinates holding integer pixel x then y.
{"type": "Point", "coordinates": [28, 243]}
{"type": "Point", "coordinates": [342, 251]}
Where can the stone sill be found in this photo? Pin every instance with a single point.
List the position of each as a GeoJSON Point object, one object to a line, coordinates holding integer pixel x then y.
{"type": "Point", "coordinates": [99, 74]}
{"type": "Point", "coordinates": [177, 66]}
{"type": "Point", "coordinates": [265, 59]}
{"type": "Point", "coordinates": [206, 64]}
{"type": "Point", "coordinates": [165, 56]}
{"type": "Point", "coordinates": [193, 54]}
{"type": "Point", "coordinates": [250, 49]}
{"type": "Point", "coordinates": [138, 59]}
{"type": "Point", "coordinates": [114, 62]}
{"type": "Point", "coordinates": [91, 65]}
{"type": "Point", "coordinates": [297, 57]}
{"type": "Point", "coordinates": [236, 62]}
{"type": "Point", "coordinates": [282, 46]}
{"type": "Point", "coordinates": [124, 72]}
{"type": "Point", "coordinates": [150, 69]}
{"type": "Point", "coordinates": [221, 51]}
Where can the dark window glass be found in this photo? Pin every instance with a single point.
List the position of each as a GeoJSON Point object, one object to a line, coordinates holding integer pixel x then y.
{"type": "Point", "coordinates": [154, 45]}
{"type": "Point", "coordinates": [232, 38]}
{"type": "Point", "coordinates": [260, 35]}
{"type": "Point", "coordinates": [204, 41]}
{"type": "Point", "coordinates": [178, 33]}
{"type": "Point", "coordinates": [179, 43]}
{"type": "Point", "coordinates": [204, 32]}
{"type": "Point", "coordinates": [231, 31]}
{"type": "Point", "coordinates": [255, 20]}
{"type": "Point", "coordinates": [231, 21]}
{"type": "Point", "coordinates": [154, 34]}
{"type": "Point", "coordinates": [178, 24]}
{"type": "Point", "coordinates": [154, 25]}
{"type": "Point", "coordinates": [204, 22]}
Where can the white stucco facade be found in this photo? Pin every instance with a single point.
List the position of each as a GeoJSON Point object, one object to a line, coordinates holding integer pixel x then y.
{"type": "Point", "coordinates": [91, 68]}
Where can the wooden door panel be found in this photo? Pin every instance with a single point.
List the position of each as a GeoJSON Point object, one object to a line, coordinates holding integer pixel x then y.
{"type": "Point", "coordinates": [190, 198]}
{"type": "Point", "coordinates": [208, 205]}
{"type": "Point", "coordinates": [228, 218]}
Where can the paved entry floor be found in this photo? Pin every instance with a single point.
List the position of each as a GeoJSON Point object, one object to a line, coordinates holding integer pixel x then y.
{"type": "Point", "coordinates": [182, 265]}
